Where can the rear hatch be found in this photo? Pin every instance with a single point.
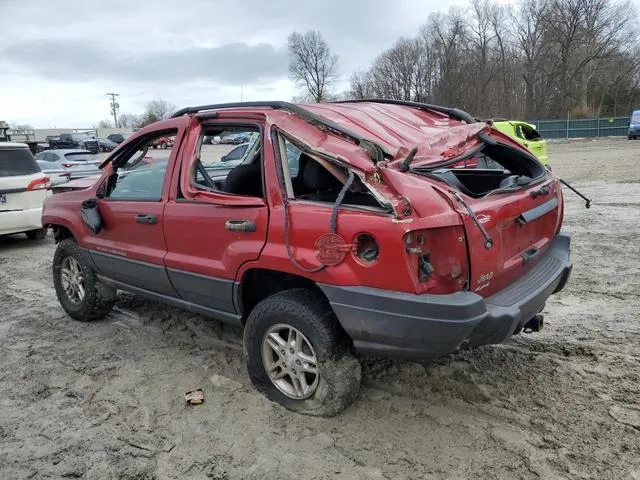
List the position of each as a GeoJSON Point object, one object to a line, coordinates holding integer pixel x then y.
{"type": "Point", "coordinates": [510, 207]}
{"type": "Point", "coordinates": [81, 164]}
{"type": "Point", "coordinates": [22, 184]}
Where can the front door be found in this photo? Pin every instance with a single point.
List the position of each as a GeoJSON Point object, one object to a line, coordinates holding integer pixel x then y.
{"type": "Point", "coordinates": [219, 218]}
{"type": "Point", "coordinates": [131, 246]}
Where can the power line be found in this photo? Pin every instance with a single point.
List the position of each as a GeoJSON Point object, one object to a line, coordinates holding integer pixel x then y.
{"type": "Point", "coordinates": [114, 107]}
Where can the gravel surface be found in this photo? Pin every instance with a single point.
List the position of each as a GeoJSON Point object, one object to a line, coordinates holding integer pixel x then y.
{"type": "Point", "coordinates": [105, 399]}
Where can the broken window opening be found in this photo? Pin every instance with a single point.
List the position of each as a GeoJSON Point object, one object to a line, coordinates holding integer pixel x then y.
{"type": "Point", "coordinates": [310, 177]}
{"type": "Point", "coordinates": [493, 169]}
{"type": "Point", "coordinates": [229, 161]}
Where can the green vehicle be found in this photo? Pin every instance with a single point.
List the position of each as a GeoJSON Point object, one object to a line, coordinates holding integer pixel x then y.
{"type": "Point", "coordinates": [527, 135]}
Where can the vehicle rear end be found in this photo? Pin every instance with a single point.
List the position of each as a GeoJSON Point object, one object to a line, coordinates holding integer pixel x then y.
{"type": "Point", "coordinates": [57, 173]}
{"type": "Point", "coordinates": [81, 164]}
{"type": "Point", "coordinates": [477, 218]}
{"type": "Point", "coordinates": [23, 188]}
{"type": "Point", "coordinates": [504, 256]}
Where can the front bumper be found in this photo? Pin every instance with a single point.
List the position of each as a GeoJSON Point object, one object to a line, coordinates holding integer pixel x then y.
{"type": "Point", "coordinates": [388, 323]}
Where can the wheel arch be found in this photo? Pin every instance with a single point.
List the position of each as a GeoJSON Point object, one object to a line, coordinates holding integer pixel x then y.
{"type": "Point", "coordinates": [60, 232]}
{"type": "Point", "coordinates": [257, 284]}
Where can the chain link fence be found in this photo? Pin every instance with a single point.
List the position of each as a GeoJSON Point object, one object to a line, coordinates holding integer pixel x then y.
{"type": "Point", "coordinates": [583, 127]}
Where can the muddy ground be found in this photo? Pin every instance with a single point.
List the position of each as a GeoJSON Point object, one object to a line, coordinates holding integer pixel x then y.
{"type": "Point", "coordinates": [105, 399]}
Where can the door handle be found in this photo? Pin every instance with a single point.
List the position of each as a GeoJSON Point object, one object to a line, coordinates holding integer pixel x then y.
{"type": "Point", "coordinates": [146, 218]}
{"type": "Point", "coordinates": [240, 225]}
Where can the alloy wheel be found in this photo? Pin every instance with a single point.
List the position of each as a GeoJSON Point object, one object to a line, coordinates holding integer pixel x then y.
{"type": "Point", "coordinates": [72, 280]}
{"type": "Point", "coordinates": [290, 361]}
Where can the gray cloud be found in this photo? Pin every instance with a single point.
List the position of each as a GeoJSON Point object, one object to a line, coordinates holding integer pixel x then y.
{"type": "Point", "coordinates": [233, 63]}
{"type": "Point", "coordinates": [57, 59]}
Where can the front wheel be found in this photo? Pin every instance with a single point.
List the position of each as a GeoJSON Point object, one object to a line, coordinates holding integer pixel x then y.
{"type": "Point", "coordinates": [297, 354]}
{"type": "Point", "coordinates": [79, 291]}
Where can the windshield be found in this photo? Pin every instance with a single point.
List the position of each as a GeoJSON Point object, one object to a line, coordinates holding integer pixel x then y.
{"type": "Point", "coordinates": [635, 117]}
{"type": "Point", "coordinates": [80, 157]}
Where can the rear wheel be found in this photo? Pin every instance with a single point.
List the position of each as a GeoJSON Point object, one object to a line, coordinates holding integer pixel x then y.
{"type": "Point", "coordinates": [79, 292]}
{"type": "Point", "coordinates": [298, 356]}
{"type": "Point", "coordinates": [39, 234]}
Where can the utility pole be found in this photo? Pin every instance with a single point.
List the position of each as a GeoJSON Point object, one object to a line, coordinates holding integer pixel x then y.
{"type": "Point", "coordinates": [114, 107]}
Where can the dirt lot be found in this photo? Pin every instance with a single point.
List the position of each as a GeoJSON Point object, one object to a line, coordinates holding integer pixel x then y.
{"type": "Point", "coordinates": [105, 400]}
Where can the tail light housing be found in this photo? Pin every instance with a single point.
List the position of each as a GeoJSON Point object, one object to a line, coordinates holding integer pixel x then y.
{"type": "Point", "coordinates": [38, 184]}
{"type": "Point", "coordinates": [438, 256]}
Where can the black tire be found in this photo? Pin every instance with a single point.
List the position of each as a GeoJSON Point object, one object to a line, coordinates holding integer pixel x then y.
{"type": "Point", "coordinates": [338, 369]}
{"type": "Point", "coordinates": [39, 234]}
{"type": "Point", "coordinates": [98, 298]}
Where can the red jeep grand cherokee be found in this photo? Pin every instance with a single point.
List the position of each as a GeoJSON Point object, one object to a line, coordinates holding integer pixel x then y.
{"type": "Point", "coordinates": [382, 227]}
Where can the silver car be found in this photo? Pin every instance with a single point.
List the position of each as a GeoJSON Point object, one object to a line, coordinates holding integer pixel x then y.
{"type": "Point", "coordinates": [79, 163]}
{"type": "Point", "coordinates": [57, 173]}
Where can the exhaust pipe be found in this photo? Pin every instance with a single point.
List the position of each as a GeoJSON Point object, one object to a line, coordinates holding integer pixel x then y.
{"type": "Point", "coordinates": [536, 324]}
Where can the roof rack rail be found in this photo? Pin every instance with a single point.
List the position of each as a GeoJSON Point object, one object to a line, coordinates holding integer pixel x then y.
{"type": "Point", "coordinates": [452, 112]}
{"type": "Point", "coordinates": [217, 106]}
{"type": "Point", "coordinates": [297, 110]}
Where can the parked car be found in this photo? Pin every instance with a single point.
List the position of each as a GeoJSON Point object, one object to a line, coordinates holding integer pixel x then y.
{"type": "Point", "coordinates": [634, 125]}
{"type": "Point", "coordinates": [525, 134]}
{"type": "Point", "coordinates": [343, 229]}
{"type": "Point", "coordinates": [237, 153]}
{"type": "Point", "coordinates": [163, 142]}
{"type": "Point", "coordinates": [234, 138]}
{"type": "Point", "coordinates": [57, 173]}
{"type": "Point", "coordinates": [75, 141]}
{"type": "Point", "coordinates": [106, 145]}
{"type": "Point", "coordinates": [79, 163]}
{"type": "Point", "coordinates": [23, 188]}
{"type": "Point", "coordinates": [118, 137]}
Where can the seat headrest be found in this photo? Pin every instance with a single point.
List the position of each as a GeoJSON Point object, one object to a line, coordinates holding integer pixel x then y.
{"type": "Point", "coordinates": [318, 178]}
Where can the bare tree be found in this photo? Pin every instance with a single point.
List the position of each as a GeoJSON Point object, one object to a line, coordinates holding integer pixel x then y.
{"type": "Point", "coordinates": [104, 124]}
{"type": "Point", "coordinates": [129, 120]}
{"type": "Point", "coordinates": [312, 65]}
{"type": "Point", "coordinates": [534, 59]}
{"type": "Point", "coordinates": [160, 109]}
{"type": "Point", "coordinates": [20, 126]}
{"type": "Point", "coordinates": [361, 85]}
{"type": "Point", "coordinates": [156, 110]}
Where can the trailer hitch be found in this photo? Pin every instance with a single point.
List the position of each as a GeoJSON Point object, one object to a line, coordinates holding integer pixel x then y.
{"type": "Point", "coordinates": [587, 201]}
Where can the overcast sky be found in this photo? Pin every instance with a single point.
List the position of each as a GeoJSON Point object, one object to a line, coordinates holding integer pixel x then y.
{"type": "Point", "coordinates": [59, 58]}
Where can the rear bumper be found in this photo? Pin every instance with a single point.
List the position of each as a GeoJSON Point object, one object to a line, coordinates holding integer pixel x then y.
{"type": "Point", "coordinates": [388, 323]}
{"type": "Point", "coordinates": [20, 221]}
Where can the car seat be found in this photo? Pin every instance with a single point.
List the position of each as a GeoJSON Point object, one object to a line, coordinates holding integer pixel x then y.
{"type": "Point", "coordinates": [245, 179]}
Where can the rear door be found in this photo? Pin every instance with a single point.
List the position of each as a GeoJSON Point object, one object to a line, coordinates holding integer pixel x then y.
{"type": "Point", "coordinates": [211, 232]}
{"type": "Point", "coordinates": [131, 246]}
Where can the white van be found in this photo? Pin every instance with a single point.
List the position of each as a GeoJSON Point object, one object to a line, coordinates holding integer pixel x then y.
{"type": "Point", "coordinates": [23, 188]}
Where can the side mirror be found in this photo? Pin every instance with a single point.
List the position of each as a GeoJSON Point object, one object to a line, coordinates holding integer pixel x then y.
{"type": "Point", "coordinates": [91, 216]}
{"type": "Point", "coordinates": [223, 158]}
